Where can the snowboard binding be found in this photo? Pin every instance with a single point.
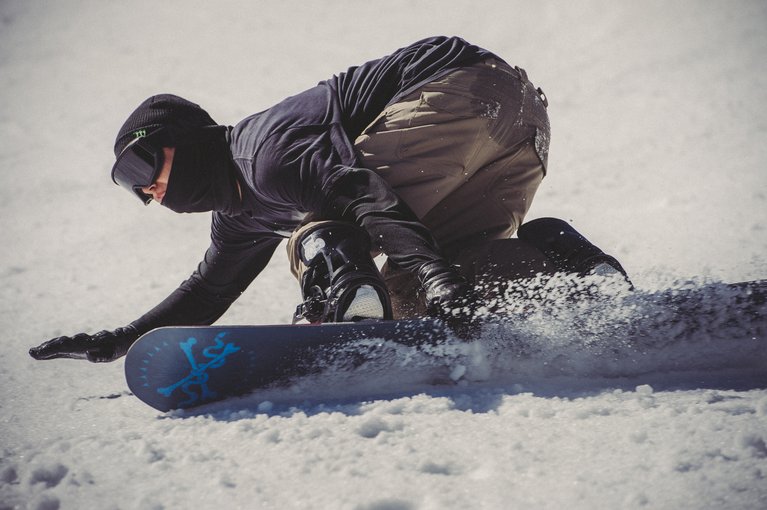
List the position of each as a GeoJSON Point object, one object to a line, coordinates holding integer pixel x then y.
{"type": "Point", "coordinates": [341, 282]}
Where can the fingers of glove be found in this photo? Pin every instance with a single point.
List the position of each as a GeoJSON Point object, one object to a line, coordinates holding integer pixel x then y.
{"type": "Point", "coordinates": [45, 350]}
{"type": "Point", "coordinates": [99, 347]}
{"type": "Point", "coordinates": [62, 347]}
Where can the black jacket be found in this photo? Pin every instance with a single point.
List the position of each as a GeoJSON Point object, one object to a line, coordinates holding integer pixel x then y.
{"type": "Point", "coordinates": [297, 158]}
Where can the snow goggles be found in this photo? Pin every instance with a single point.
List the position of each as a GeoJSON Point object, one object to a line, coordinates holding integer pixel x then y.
{"type": "Point", "coordinates": [140, 162]}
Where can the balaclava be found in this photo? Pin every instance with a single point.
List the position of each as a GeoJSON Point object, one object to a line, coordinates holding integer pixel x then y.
{"type": "Point", "coordinates": [203, 176]}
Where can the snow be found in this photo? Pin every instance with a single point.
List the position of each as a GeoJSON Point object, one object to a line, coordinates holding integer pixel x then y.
{"type": "Point", "coordinates": [659, 146]}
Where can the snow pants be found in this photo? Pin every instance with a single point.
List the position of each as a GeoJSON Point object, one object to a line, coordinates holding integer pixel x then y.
{"type": "Point", "coordinates": [467, 153]}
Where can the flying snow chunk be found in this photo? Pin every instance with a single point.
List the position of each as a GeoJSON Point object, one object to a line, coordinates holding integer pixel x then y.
{"type": "Point", "coordinates": [644, 389]}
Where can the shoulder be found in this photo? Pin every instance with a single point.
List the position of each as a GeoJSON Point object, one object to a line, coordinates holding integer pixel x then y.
{"type": "Point", "coordinates": [309, 107]}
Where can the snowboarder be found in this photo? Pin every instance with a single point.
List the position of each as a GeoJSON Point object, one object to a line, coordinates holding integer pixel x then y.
{"type": "Point", "coordinates": [430, 155]}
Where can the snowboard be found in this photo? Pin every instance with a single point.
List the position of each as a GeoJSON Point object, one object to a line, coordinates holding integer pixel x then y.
{"type": "Point", "coordinates": [185, 367]}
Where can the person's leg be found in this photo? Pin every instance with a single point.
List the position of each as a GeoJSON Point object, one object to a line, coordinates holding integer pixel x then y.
{"type": "Point", "coordinates": [467, 153]}
{"type": "Point", "coordinates": [491, 205]}
{"type": "Point", "coordinates": [568, 249]}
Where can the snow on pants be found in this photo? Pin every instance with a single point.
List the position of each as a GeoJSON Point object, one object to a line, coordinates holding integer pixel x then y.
{"type": "Point", "coordinates": [467, 153]}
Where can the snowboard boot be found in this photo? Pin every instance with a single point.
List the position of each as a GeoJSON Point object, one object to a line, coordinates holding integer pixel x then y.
{"type": "Point", "coordinates": [341, 282]}
{"type": "Point", "coordinates": [568, 250]}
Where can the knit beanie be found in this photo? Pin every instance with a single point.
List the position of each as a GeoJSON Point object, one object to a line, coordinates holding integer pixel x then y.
{"type": "Point", "coordinates": [163, 110]}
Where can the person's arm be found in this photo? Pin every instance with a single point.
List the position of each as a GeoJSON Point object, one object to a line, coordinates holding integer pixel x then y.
{"type": "Point", "coordinates": [221, 277]}
{"type": "Point", "coordinates": [224, 273]}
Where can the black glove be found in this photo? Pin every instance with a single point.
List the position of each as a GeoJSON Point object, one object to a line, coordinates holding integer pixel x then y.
{"type": "Point", "coordinates": [449, 297]}
{"type": "Point", "coordinates": [98, 348]}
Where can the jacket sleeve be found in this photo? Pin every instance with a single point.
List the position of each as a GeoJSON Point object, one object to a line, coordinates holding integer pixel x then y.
{"type": "Point", "coordinates": [225, 272]}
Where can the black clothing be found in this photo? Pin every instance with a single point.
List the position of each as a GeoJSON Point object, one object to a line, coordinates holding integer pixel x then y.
{"type": "Point", "coordinates": [203, 178]}
{"type": "Point", "coordinates": [162, 110]}
{"type": "Point", "coordinates": [298, 158]}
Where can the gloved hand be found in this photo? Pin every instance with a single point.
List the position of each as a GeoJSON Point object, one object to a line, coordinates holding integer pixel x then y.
{"type": "Point", "coordinates": [449, 297]}
{"type": "Point", "coordinates": [98, 348]}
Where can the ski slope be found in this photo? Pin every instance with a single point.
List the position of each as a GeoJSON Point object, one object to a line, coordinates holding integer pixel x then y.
{"type": "Point", "coordinates": [659, 145]}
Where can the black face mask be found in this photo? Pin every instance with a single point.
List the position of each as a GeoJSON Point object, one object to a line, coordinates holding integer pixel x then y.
{"type": "Point", "coordinates": [203, 179]}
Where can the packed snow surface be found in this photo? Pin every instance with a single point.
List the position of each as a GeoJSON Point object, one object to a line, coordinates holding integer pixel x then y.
{"type": "Point", "coordinates": [658, 154]}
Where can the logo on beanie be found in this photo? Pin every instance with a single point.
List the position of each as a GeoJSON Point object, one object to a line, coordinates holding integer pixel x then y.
{"type": "Point", "coordinates": [140, 133]}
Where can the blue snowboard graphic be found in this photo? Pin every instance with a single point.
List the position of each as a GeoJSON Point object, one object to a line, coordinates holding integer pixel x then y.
{"type": "Point", "coordinates": [198, 375]}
